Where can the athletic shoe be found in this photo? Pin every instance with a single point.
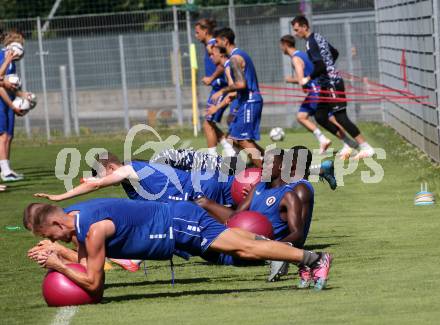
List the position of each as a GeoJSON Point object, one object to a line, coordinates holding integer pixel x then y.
{"type": "Point", "coordinates": [323, 146]}
{"type": "Point", "coordinates": [277, 270]}
{"type": "Point", "coordinates": [328, 173]}
{"type": "Point", "coordinates": [364, 153]}
{"type": "Point", "coordinates": [11, 177]}
{"type": "Point", "coordinates": [345, 152]}
{"type": "Point", "coordinates": [305, 277]}
{"type": "Point", "coordinates": [128, 265]}
{"type": "Point", "coordinates": [320, 271]}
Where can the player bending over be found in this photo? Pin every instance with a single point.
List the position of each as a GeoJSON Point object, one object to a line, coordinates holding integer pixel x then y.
{"type": "Point", "coordinates": [216, 79]}
{"type": "Point", "coordinates": [122, 228]}
{"type": "Point", "coordinates": [287, 201]}
{"type": "Point", "coordinates": [245, 128]}
{"type": "Point", "coordinates": [303, 68]}
{"type": "Point", "coordinates": [323, 56]}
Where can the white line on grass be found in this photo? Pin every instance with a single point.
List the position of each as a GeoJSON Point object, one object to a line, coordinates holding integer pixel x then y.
{"type": "Point", "coordinates": [64, 315]}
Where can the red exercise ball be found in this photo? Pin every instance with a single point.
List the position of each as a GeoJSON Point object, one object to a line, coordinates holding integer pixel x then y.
{"type": "Point", "coordinates": [59, 290]}
{"type": "Point", "coordinates": [248, 178]}
{"type": "Point", "coordinates": [252, 221]}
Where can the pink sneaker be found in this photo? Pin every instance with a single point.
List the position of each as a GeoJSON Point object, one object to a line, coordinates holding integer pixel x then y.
{"type": "Point", "coordinates": [320, 271]}
{"type": "Point", "coordinates": [128, 265]}
{"type": "Point", "coordinates": [305, 277]}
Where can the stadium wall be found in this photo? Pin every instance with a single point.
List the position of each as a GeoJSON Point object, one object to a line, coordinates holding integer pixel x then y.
{"type": "Point", "coordinates": [408, 39]}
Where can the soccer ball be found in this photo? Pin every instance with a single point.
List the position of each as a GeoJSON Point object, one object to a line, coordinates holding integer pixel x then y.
{"type": "Point", "coordinates": [14, 79]}
{"type": "Point", "coordinates": [22, 104]}
{"type": "Point", "coordinates": [277, 134]}
{"type": "Point", "coordinates": [17, 49]}
{"type": "Point", "coordinates": [32, 98]}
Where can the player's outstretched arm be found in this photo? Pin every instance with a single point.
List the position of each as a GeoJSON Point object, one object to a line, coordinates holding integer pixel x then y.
{"type": "Point", "coordinates": [217, 211]}
{"type": "Point", "coordinates": [221, 213]}
{"type": "Point", "coordinates": [115, 178]}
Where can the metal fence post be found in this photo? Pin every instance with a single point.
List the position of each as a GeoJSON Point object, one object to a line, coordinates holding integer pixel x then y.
{"type": "Point", "coordinates": [43, 77]}
{"type": "Point", "coordinates": [27, 125]}
{"type": "Point", "coordinates": [177, 68]}
{"type": "Point", "coordinates": [231, 15]}
{"type": "Point", "coordinates": [73, 98]}
{"type": "Point", "coordinates": [349, 45]}
{"type": "Point", "coordinates": [436, 20]}
{"type": "Point", "coordinates": [287, 70]}
{"type": "Point", "coordinates": [379, 55]}
{"type": "Point", "coordinates": [65, 102]}
{"type": "Point", "coordinates": [124, 84]}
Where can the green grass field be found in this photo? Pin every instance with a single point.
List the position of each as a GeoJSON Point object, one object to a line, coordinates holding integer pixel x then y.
{"type": "Point", "coordinates": [386, 266]}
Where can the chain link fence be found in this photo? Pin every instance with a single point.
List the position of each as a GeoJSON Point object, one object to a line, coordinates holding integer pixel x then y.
{"type": "Point", "coordinates": [409, 56]}
{"type": "Point", "coordinates": [119, 69]}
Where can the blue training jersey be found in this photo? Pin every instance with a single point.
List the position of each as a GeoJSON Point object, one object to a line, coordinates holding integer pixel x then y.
{"type": "Point", "coordinates": [158, 182]}
{"type": "Point", "coordinates": [143, 230]}
{"type": "Point", "coordinates": [308, 67]}
{"type": "Point", "coordinates": [11, 68]}
{"type": "Point", "coordinates": [210, 68]}
{"type": "Point", "coordinates": [252, 91]}
{"type": "Point", "coordinates": [267, 201]}
{"type": "Point", "coordinates": [215, 186]}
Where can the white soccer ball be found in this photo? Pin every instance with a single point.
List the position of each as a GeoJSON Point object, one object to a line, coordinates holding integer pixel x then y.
{"type": "Point", "coordinates": [277, 134]}
{"type": "Point", "coordinates": [17, 49]}
{"type": "Point", "coordinates": [14, 79]}
{"type": "Point", "coordinates": [22, 104]}
{"type": "Point", "coordinates": [32, 98]}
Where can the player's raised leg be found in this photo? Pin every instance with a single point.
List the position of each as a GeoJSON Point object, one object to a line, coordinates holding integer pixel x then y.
{"type": "Point", "coordinates": [233, 243]}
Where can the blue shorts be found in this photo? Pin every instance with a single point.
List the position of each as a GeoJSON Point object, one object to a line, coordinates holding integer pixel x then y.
{"type": "Point", "coordinates": [234, 106]}
{"type": "Point", "coordinates": [311, 102]}
{"type": "Point", "coordinates": [246, 123]}
{"type": "Point", "coordinates": [194, 230]}
{"type": "Point", "coordinates": [217, 117]}
{"type": "Point", "coordinates": [7, 119]}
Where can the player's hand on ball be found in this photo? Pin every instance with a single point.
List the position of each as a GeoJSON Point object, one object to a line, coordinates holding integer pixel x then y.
{"type": "Point", "coordinates": [10, 87]}
{"type": "Point", "coordinates": [48, 196]}
{"type": "Point", "coordinates": [11, 56]}
{"type": "Point", "coordinates": [18, 112]}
